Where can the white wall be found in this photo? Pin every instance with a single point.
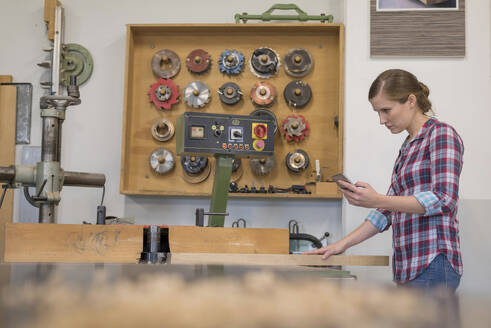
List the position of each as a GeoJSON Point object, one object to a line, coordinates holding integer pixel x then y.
{"type": "Point", "coordinates": [460, 91]}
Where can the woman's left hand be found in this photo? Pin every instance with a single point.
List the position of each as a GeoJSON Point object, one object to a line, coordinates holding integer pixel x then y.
{"type": "Point", "coordinates": [360, 194]}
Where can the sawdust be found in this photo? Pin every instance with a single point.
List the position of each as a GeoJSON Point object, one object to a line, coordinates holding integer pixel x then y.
{"type": "Point", "coordinates": [260, 299]}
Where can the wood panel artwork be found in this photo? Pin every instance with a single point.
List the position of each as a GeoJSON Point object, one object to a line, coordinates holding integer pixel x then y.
{"type": "Point", "coordinates": [8, 104]}
{"type": "Point", "coordinates": [324, 112]}
{"type": "Point", "coordinates": [426, 33]}
{"type": "Point", "coordinates": [190, 239]}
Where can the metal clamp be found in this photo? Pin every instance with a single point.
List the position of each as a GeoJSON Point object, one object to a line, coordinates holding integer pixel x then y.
{"type": "Point", "coordinates": [267, 16]}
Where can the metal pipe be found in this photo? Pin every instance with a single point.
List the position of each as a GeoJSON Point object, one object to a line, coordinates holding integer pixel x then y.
{"type": "Point", "coordinates": [47, 213]}
{"type": "Point", "coordinates": [7, 173]}
{"type": "Point", "coordinates": [82, 179]}
{"type": "Point", "coordinates": [49, 149]}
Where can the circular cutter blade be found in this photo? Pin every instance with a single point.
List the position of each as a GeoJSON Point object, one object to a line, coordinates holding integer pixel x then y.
{"type": "Point", "coordinates": [262, 166]}
{"type": "Point", "coordinates": [298, 62]}
{"type": "Point", "coordinates": [161, 161]}
{"type": "Point", "coordinates": [264, 62]}
{"type": "Point", "coordinates": [166, 64]}
{"type": "Point", "coordinates": [297, 94]}
{"type": "Point", "coordinates": [198, 61]}
{"type": "Point", "coordinates": [297, 161]}
{"type": "Point", "coordinates": [196, 94]}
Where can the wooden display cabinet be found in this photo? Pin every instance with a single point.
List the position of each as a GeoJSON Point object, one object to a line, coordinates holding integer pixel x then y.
{"type": "Point", "coordinates": [324, 112]}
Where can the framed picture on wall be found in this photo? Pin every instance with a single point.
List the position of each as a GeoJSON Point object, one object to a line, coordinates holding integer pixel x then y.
{"type": "Point", "coordinates": [406, 5]}
{"type": "Point", "coordinates": [417, 28]}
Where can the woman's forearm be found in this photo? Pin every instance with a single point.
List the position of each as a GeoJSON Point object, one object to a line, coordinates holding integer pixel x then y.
{"type": "Point", "coordinates": [406, 204]}
{"type": "Point", "coordinates": [360, 234]}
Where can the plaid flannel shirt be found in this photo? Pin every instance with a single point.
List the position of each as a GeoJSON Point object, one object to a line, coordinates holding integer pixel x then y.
{"type": "Point", "coordinates": [428, 168]}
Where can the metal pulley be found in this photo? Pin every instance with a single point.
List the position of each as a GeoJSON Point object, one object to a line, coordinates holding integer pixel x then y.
{"type": "Point", "coordinates": [263, 94]}
{"type": "Point", "coordinates": [196, 94]}
{"type": "Point", "coordinates": [295, 128]}
{"type": "Point", "coordinates": [267, 114]}
{"type": "Point", "coordinates": [161, 161]}
{"type": "Point", "coordinates": [162, 130]}
{"type": "Point", "coordinates": [164, 94]}
{"type": "Point", "coordinates": [230, 93]}
{"type": "Point", "coordinates": [198, 61]}
{"type": "Point", "coordinates": [166, 64]}
{"type": "Point", "coordinates": [262, 166]}
{"type": "Point", "coordinates": [297, 94]}
{"type": "Point", "coordinates": [231, 62]}
{"type": "Point", "coordinates": [75, 61]}
{"type": "Point", "coordinates": [264, 62]}
{"type": "Point", "coordinates": [297, 161]}
{"type": "Point", "coordinates": [298, 62]}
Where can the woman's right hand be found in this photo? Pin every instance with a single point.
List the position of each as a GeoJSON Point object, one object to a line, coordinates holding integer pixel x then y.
{"type": "Point", "coordinates": [326, 251]}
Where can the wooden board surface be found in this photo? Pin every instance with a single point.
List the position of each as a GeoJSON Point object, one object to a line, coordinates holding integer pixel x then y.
{"type": "Point", "coordinates": [278, 259]}
{"type": "Point", "coordinates": [8, 103]}
{"type": "Point", "coordinates": [49, 16]}
{"type": "Point", "coordinates": [323, 41]}
{"type": "Point", "coordinates": [190, 239]}
{"type": "Point", "coordinates": [32, 242]}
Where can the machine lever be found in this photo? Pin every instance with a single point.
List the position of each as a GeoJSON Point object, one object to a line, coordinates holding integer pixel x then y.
{"type": "Point", "coordinates": [4, 187]}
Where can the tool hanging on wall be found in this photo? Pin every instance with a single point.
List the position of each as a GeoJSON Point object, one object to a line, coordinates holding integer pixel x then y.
{"type": "Point", "coordinates": [230, 93]}
{"type": "Point", "coordinates": [295, 128]}
{"type": "Point", "coordinates": [297, 161]}
{"type": "Point", "coordinates": [164, 94]}
{"type": "Point", "coordinates": [264, 62]}
{"type": "Point", "coordinates": [267, 15]}
{"type": "Point", "coordinates": [197, 94]}
{"type": "Point", "coordinates": [161, 161]}
{"type": "Point", "coordinates": [162, 130]}
{"type": "Point", "coordinates": [198, 61]}
{"type": "Point", "coordinates": [231, 62]}
{"type": "Point", "coordinates": [298, 62]}
{"type": "Point", "coordinates": [195, 169]}
{"type": "Point", "coordinates": [262, 166]}
{"type": "Point", "coordinates": [166, 64]}
{"type": "Point", "coordinates": [297, 94]}
{"type": "Point", "coordinates": [263, 94]}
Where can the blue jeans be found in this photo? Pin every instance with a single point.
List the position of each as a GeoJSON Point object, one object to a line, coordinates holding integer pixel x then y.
{"type": "Point", "coordinates": [438, 274]}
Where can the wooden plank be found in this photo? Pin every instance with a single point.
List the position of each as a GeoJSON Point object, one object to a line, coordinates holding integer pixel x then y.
{"type": "Point", "coordinates": [8, 103]}
{"type": "Point", "coordinates": [49, 16]}
{"type": "Point", "coordinates": [191, 239]}
{"type": "Point", "coordinates": [5, 78]}
{"type": "Point", "coordinates": [277, 259]}
{"type": "Point", "coordinates": [32, 242]}
{"type": "Point", "coordinates": [324, 142]}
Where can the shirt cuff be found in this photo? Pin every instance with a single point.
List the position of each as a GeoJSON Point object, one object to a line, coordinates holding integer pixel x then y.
{"type": "Point", "coordinates": [429, 201]}
{"type": "Point", "coordinates": [377, 219]}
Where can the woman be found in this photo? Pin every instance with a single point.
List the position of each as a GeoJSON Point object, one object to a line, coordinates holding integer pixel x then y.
{"type": "Point", "coordinates": [421, 204]}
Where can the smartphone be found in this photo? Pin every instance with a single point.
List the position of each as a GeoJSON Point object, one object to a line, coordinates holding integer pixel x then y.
{"type": "Point", "coordinates": [340, 176]}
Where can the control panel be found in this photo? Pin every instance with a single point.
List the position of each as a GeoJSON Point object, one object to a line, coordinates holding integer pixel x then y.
{"type": "Point", "coordinates": [238, 135]}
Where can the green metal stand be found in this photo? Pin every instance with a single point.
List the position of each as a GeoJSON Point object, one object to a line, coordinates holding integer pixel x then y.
{"type": "Point", "coordinates": [267, 16]}
{"type": "Point", "coordinates": [219, 195]}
